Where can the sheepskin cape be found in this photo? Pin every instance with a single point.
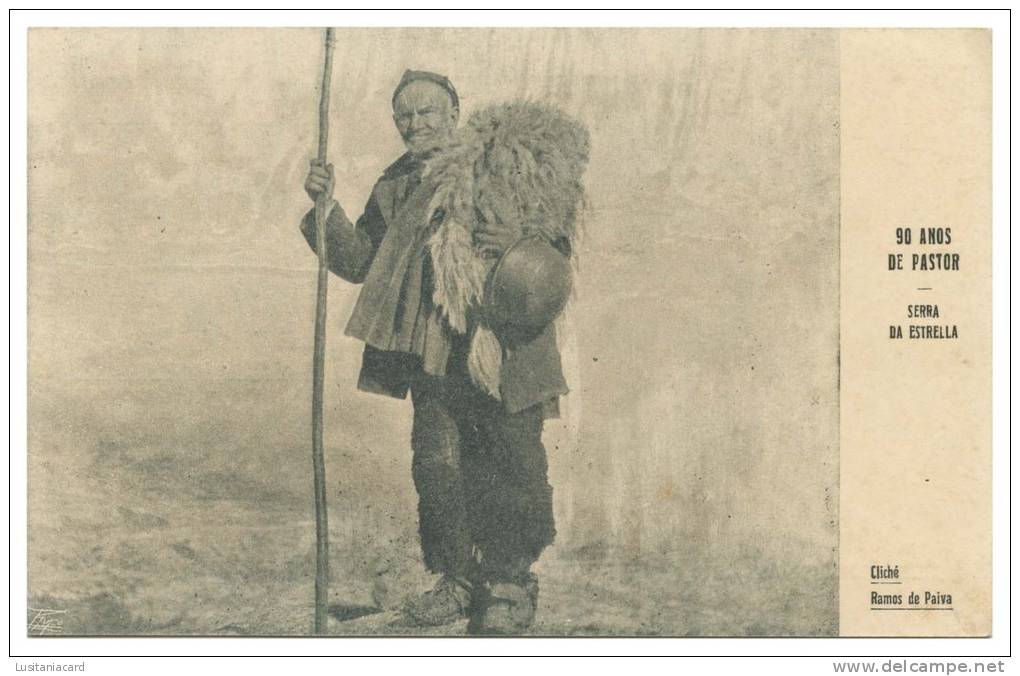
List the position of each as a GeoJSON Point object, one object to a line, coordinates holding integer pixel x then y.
{"type": "Point", "coordinates": [517, 166]}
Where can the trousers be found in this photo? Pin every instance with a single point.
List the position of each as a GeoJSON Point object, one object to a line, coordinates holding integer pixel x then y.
{"type": "Point", "coordinates": [481, 473]}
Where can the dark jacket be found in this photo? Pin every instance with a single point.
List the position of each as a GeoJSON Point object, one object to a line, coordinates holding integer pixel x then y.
{"type": "Point", "coordinates": [531, 373]}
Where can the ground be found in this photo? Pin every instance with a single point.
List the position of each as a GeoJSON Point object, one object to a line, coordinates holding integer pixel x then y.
{"type": "Point", "coordinates": [239, 560]}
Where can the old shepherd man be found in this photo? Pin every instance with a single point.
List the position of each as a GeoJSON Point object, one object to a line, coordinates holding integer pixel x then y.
{"type": "Point", "coordinates": [463, 255]}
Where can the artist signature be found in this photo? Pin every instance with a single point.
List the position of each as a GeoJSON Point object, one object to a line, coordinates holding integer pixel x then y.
{"type": "Point", "coordinates": [45, 622]}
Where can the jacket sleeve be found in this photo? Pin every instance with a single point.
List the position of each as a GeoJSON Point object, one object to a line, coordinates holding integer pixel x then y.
{"type": "Point", "coordinates": [350, 247]}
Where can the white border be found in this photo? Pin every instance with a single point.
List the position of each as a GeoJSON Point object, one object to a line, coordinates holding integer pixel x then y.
{"type": "Point", "coordinates": [733, 648]}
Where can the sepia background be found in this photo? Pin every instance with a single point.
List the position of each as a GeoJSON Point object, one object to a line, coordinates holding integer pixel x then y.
{"type": "Point", "coordinates": [171, 303]}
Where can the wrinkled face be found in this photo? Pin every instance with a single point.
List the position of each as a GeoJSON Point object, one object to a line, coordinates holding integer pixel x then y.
{"type": "Point", "coordinates": [425, 116]}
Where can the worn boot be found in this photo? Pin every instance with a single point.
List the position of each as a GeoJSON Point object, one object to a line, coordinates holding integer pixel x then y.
{"type": "Point", "coordinates": [445, 603]}
{"type": "Point", "coordinates": [504, 607]}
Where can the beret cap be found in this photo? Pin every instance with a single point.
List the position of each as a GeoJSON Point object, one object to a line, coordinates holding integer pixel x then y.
{"type": "Point", "coordinates": [410, 76]}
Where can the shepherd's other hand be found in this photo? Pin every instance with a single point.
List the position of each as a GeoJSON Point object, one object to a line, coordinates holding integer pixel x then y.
{"type": "Point", "coordinates": [493, 241]}
{"type": "Point", "coordinates": [320, 180]}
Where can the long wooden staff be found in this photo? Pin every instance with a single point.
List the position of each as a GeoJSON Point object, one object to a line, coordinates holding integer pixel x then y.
{"type": "Point", "coordinates": [319, 359]}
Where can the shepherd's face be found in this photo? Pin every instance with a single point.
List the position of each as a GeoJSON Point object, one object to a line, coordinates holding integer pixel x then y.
{"type": "Point", "coordinates": [425, 116]}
